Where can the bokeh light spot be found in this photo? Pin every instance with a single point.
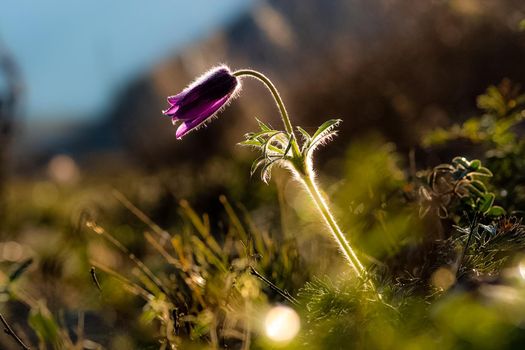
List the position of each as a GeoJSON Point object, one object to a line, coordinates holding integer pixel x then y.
{"type": "Point", "coordinates": [11, 251]}
{"type": "Point", "coordinates": [443, 278]}
{"type": "Point", "coordinates": [282, 324]}
{"type": "Point", "coordinates": [63, 169]}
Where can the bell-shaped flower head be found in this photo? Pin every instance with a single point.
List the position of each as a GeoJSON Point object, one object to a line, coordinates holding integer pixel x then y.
{"type": "Point", "coordinates": [202, 99]}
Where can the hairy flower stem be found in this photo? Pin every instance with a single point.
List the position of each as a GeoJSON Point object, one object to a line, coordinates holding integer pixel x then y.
{"type": "Point", "coordinates": [304, 173]}
{"type": "Point", "coordinates": [308, 181]}
{"type": "Point", "coordinates": [278, 100]}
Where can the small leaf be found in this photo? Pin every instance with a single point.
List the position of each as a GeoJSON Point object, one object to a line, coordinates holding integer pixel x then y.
{"type": "Point", "coordinates": [479, 187]}
{"type": "Point", "coordinates": [496, 210]}
{"type": "Point", "coordinates": [256, 164]}
{"type": "Point", "coordinates": [475, 164]}
{"type": "Point", "coordinates": [319, 141]}
{"type": "Point", "coordinates": [461, 161]}
{"type": "Point", "coordinates": [268, 144]}
{"type": "Point", "coordinates": [423, 192]}
{"type": "Point", "coordinates": [305, 134]}
{"type": "Point", "coordinates": [263, 126]}
{"type": "Point", "coordinates": [265, 133]}
{"type": "Point", "coordinates": [482, 171]}
{"type": "Point", "coordinates": [267, 169]}
{"type": "Point", "coordinates": [306, 139]}
{"type": "Point", "coordinates": [486, 202]}
{"type": "Point", "coordinates": [251, 143]}
{"type": "Point", "coordinates": [444, 167]}
{"type": "Point", "coordinates": [329, 124]}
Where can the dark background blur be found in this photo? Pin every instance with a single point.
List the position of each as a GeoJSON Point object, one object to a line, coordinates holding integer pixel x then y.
{"type": "Point", "coordinates": [393, 67]}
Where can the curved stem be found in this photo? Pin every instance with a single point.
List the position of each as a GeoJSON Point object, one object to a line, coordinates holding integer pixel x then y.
{"type": "Point", "coordinates": [278, 100]}
{"type": "Point", "coordinates": [303, 172]}
{"type": "Point", "coordinates": [337, 234]}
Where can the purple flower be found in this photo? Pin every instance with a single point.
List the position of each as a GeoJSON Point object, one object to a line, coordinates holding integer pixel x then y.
{"type": "Point", "coordinates": [202, 100]}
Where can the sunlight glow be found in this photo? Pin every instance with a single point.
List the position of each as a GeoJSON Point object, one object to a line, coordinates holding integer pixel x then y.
{"type": "Point", "coordinates": [521, 269]}
{"type": "Point", "coordinates": [282, 324]}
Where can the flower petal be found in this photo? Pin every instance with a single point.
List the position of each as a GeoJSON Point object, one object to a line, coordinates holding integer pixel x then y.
{"type": "Point", "coordinates": [176, 98]}
{"type": "Point", "coordinates": [204, 114]}
{"type": "Point", "coordinates": [202, 99]}
{"type": "Point", "coordinates": [182, 130]}
{"type": "Point", "coordinates": [171, 111]}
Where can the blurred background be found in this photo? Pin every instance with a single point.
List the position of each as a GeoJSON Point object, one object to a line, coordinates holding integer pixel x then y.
{"type": "Point", "coordinates": [92, 78]}
{"type": "Point", "coordinates": [82, 86]}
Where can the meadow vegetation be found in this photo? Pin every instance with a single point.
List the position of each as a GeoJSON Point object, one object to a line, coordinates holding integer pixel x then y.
{"type": "Point", "coordinates": [133, 262]}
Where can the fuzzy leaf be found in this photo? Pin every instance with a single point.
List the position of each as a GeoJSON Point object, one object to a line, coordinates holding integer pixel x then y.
{"type": "Point", "coordinates": [320, 140]}
{"type": "Point", "coordinates": [307, 139]}
{"type": "Point", "coordinates": [266, 170]}
{"type": "Point", "coordinates": [250, 143]}
{"type": "Point", "coordinates": [256, 164]}
{"type": "Point", "coordinates": [268, 144]}
{"type": "Point", "coordinates": [263, 126]}
{"type": "Point", "coordinates": [265, 133]}
{"type": "Point", "coordinates": [326, 126]}
{"type": "Point", "coordinates": [306, 135]}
